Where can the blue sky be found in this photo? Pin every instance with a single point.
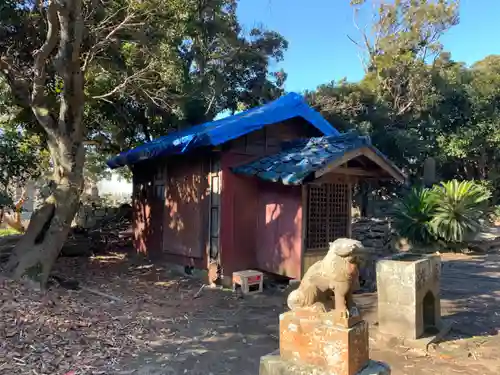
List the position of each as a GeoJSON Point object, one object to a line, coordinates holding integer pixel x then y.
{"type": "Point", "coordinates": [319, 50]}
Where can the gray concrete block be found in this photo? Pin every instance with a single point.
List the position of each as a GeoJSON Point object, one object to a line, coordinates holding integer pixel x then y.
{"type": "Point", "coordinates": [408, 288]}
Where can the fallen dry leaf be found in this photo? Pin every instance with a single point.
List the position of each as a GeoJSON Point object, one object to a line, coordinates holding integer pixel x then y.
{"type": "Point", "coordinates": [79, 332]}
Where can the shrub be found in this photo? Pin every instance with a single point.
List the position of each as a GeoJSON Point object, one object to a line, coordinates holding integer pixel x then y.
{"type": "Point", "coordinates": [5, 200]}
{"type": "Point", "coordinates": [449, 212]}
{"type": "Point", "coordinates": [8, 232]}
{"type": "Point", "coordinates": [458, 209]}
{"type": "Point", "coordinates": [495, 213]}
{"type": "Point", "coordinates": [413, 216]}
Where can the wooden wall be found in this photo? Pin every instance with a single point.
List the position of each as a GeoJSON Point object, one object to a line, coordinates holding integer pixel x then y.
{"type": "Point", "coordinates": [252, 235]}
{"type": "Point", "coordinates": [185, 220]}
{"type": "Point", "coordinates": [171, 209]}
{"type": "Point", "coordinates": [279, 229]}
{"type": "Point", "coordinates": [269, 139]}
{"type": "Point", "coordinates": [173, 222]}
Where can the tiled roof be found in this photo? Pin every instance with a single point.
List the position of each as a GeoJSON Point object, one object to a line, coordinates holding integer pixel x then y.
{"type": "Point", "coordinates": [299, 159]}
{"type": "Point", "coordinates": [217, 132]}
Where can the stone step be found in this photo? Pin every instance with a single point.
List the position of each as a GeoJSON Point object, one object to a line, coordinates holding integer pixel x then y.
{"type": "Point", "coordinates": [273, 364]}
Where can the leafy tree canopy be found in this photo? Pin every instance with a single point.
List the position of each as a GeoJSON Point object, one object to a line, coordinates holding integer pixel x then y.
{"type": "Point", "coordinates": [150, 68]}
{"type": "Point", "coordinates": [416, 101]}
{"type": "Point", "coordinates": [96, 77]}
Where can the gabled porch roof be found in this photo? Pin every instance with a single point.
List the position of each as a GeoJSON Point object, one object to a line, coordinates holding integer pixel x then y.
{"type": "Point", "coordinates": [309, 159]}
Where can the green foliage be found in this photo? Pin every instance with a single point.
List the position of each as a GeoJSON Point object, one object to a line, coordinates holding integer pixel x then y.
{"type": "Point", "coordinates": [458, 208]}
{"type": "Point", "coordinates": [448, 213]}
{"type": "Point", "coordinates": [5, 199]}
{"type": "Point", "coordinates": [495, 212]}
{"type": "Point", "coordinates": [8, 232]}
{"type": "Point", "coordinates": [413, 215]}
{"type": "Point", "coordinates": [151, 67]}
{"type": "Point", "coordinates": [22, 158]}
{"type": "Point", "coordinates": [415, 101]}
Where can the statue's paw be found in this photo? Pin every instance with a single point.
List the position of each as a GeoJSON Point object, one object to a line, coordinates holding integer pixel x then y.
{"type": "Point", "coordinates": [295, 300]}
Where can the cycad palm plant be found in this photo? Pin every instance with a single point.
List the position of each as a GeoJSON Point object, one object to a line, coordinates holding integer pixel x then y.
{"type": "Point", "coordinates": [413, 215]}
{"type": "Point", "coordinates": [459, 206]}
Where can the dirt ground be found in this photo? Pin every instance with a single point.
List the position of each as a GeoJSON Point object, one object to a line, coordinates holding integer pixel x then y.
{"type": "Point", "coordinates": [157, 323]}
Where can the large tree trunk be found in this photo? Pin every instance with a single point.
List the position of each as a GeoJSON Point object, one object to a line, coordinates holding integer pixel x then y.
{"type": "Point", "coordinates": [36, 252]}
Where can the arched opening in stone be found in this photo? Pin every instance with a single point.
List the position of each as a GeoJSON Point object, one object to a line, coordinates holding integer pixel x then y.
{"type": "Point", "coordinates": [429, 311]}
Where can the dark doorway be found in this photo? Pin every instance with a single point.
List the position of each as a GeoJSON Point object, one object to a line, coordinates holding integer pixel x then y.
{"type": "Point", "coordinates": [429, 311]}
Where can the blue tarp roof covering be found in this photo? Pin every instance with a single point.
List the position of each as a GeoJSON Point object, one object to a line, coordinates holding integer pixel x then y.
{"type": "Point", "coordinates": [300, 159]}
{"type": "Point", "coordinates": [218, 132]}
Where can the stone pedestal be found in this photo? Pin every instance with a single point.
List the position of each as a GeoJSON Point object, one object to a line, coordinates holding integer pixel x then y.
{"type": "Point", "coordinates": [408, 287]}
{"type": "Point", "coordinates": [321, 343]}
{"type": "Point", "coordinates": [317, 339]}
{"type": "Point", "coordinates": [273, 364]}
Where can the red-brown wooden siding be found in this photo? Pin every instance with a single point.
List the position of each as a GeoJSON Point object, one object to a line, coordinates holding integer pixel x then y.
{"type": "Point", "coordinates": [147, 207]}
{"type": "Point", "coordinates": [185, 209]}
{"type": "Point", "coordinates": [260, 223]}
{"type": "Point", "coordinates": [175, 228]}
{"type": "Point", "coordinates": [253, 233]}
{"type": "Point", "coordinates": [238, 217]}
{"type": "Point", "coordinates": [279, 229]}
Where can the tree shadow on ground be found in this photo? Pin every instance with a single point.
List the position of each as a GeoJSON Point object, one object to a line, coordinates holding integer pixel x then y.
{"type": "Point", "coordinates": [219, 333]}
{"type": "Point", "coordinates": [227, 337]}
{"type": "Point", "coordinates": [470, 294]}
{"type": "Point", "coordinates": [216, 332]}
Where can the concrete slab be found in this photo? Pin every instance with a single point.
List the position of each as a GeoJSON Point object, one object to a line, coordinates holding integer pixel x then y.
{"type": "Point", "coordinates": [273, 364]}
{"type": "Point", "coordinates": [421, 343]}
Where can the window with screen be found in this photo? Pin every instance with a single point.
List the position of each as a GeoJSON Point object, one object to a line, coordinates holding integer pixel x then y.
{"type": "Point", "coordinates": [327, 214]}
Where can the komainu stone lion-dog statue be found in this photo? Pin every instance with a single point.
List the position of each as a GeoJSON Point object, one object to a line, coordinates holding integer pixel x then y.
{"type": "Point", "coordinates": [332, 279]}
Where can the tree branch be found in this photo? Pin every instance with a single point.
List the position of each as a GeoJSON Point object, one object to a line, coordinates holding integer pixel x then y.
{"type": "Point", "coordinates": [68, 66]}
{"type": "Point", "coordinates": [17, 83]}
{"type": "Point", "coordinates": [367, 47]}
{"type": "Point", "coordinates": [122, 85]}
{"type": "Point", "coordinates": [39, 75]}
{"type": "Point", "coordinates": [99, 46]}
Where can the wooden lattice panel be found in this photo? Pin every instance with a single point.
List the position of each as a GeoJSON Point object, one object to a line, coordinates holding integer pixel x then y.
{"type": "Point", "coordinates": [328, 214]}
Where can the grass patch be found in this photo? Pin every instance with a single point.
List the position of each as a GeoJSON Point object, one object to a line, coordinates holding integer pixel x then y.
{"type": "Point", "coordinates": [8, 232]}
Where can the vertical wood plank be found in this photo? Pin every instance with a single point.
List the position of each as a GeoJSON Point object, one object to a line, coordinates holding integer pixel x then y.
{"type": "Point", "coordinates": [209, 211]}
{"type": "Point", "coordinates": [349, 209]}
{"type": "Point", "coordinates": [305, 222]}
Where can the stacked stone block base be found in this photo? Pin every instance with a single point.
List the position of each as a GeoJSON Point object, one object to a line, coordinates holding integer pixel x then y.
{"type": "Point", "coordinates": [315, 339]}
{"type": "Point", "coordinates": [318, 343]}
{"type": "Point", "coordinates": [273, 364]}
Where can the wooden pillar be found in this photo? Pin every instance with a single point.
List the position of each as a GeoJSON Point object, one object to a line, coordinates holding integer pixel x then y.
{"type": "Point", "coordinates": [349, 211]}
{"type": "Point", "coordinates": [305, 206]}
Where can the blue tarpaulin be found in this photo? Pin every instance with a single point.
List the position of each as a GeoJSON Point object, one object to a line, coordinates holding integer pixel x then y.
{"type": "Point", "coordinates": [218, 132]}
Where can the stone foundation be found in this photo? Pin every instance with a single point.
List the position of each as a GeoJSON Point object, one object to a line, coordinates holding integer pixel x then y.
{"type": "Point", "coordinates": [273, 364]}
{"type": "Point", "coordinates": [378, 237]}
{"type": "Point", "coordinates": [312, 338]}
